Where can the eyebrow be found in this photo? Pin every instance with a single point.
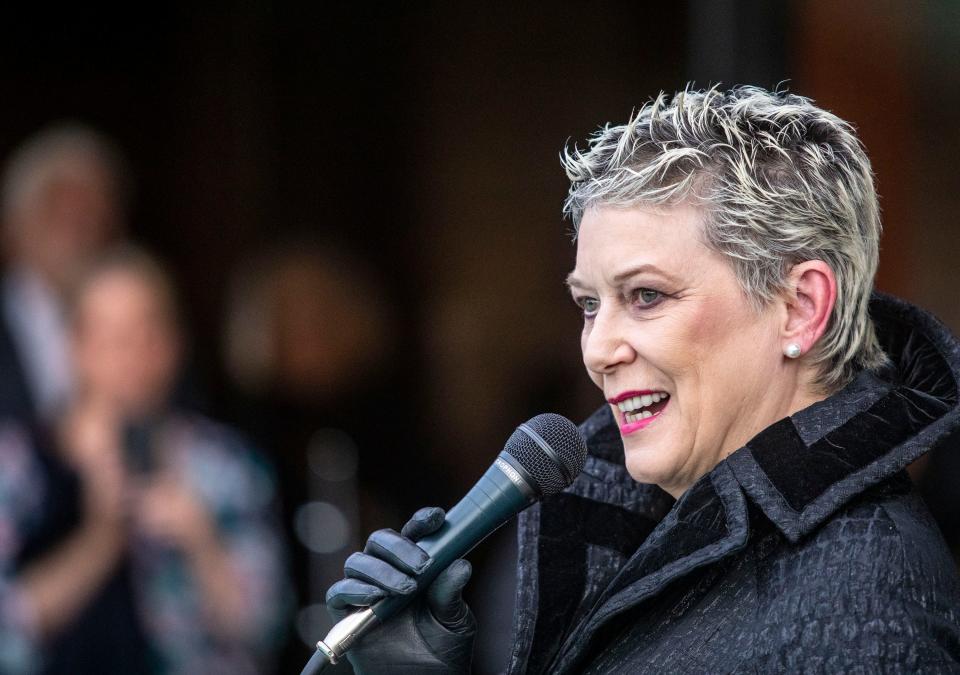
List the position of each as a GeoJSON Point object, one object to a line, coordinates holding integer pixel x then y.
{"type": "Point", "coordinates": [572, 279]}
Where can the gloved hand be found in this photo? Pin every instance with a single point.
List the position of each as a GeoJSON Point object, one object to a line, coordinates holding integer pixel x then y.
{"type": "Point", "coordinates": [435, 633]}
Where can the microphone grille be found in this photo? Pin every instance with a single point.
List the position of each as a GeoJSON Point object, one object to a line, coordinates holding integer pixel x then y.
{"type": "Point", "coordinates": [551, 449]}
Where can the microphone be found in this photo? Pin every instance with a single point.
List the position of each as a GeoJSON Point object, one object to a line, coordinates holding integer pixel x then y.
{"type": "Point", "coordinates": [542, 457]}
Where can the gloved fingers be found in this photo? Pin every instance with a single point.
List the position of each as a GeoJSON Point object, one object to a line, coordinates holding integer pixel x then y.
{"type": "Point", "coordinates": [379, 573]}
{"type": "Point", "coordinates": [425, 521]}
{"type": "Point", "coordinates": [348, 593]}
{"type": "Point", "coordinates": [444, 595]}
{"type": "Point", "coordinates": [397, 550]}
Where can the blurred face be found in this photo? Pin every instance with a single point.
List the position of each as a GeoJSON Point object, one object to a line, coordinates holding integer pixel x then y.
{"type": "Point", "coordinates": [125, 345]}
{"type": "Point", "coordinates": [689, 368]}
{"type": "Point", "coordinates": [67, 222]}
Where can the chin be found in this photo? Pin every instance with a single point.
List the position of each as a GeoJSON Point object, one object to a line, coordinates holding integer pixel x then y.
{"type": "Point", "coordinates": [649, 464]}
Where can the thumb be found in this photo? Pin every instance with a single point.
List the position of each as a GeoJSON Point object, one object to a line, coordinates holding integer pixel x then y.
{"type": "Point", "coordinates": [444, 595]}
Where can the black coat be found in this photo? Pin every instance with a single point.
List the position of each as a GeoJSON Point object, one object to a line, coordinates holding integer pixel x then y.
{"type": "Point", "coordinates": [16, 399]}
{"type": "Point", "coordinates": [807, 550]}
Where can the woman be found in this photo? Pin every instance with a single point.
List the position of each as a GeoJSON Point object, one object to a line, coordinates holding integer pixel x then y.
{"type": "Point", "coordinates": [744, 506]}
{"type": "Point", "coordinates": [141, 539]}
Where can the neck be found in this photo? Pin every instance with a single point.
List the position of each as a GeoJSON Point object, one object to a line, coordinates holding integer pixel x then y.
{"type": "Point", "coordinates": [795, 394]}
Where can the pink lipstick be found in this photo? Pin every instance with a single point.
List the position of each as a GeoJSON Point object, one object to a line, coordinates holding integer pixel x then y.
{"type": "Point", "coordinates": [637, 409]}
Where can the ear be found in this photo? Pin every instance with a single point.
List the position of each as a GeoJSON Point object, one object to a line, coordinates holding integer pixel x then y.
{"type": "Point", "coordinates": [809, 303]}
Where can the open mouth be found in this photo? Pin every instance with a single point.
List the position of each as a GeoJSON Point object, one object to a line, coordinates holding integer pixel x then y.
{"type": "Point", "coordinates": [636, 406]}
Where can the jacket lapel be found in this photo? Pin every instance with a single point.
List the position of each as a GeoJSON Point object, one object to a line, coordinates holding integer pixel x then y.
{"type": "Point", "coordinates": [572, 544]}
{"type": "Point", "coordinates": [709, 523]}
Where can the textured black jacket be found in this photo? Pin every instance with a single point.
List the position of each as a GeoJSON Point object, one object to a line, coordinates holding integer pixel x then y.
{"type": "Point", "coordinates": [807, 550]}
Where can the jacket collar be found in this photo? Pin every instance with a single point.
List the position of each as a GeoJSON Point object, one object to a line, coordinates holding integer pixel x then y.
{"type": "Point", "coordinates": [802, 469]}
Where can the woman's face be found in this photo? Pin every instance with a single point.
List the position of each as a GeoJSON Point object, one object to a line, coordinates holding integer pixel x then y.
{"type": "Point", "coordinates": [689, 367]}
{"type": "Point", "coordinates": [126, 348]}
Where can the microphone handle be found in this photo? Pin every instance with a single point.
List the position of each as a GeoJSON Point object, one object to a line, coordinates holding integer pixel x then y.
{"type": "Point", "coordinates": [501, 493]}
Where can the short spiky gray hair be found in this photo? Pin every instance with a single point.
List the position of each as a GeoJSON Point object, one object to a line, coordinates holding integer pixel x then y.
{"type": "Point", "coordinates": [781, 181]}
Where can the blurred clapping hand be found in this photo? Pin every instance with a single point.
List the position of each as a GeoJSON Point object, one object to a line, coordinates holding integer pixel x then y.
{"type": "Point", "coordinates": [174, 537]}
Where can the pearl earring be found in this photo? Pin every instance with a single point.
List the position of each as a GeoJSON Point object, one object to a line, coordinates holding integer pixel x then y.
{"type": "Point", "coordinates": [792, 350]}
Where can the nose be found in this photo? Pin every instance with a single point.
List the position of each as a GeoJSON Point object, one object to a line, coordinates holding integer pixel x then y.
{"type": "Point", "coordinates": [604, 343]}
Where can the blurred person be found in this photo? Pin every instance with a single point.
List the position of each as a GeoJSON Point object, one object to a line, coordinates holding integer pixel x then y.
{"type": "Point", "coordinates": [63, 198]}
{"type": "Point", "coordinates": [312, 346]}
{"type": "Point", "coordinates": [135, 538]}
{"type": "Point", "coordinates": [306, 319]}
{"type": "Point", "coordinates": [744, 507]}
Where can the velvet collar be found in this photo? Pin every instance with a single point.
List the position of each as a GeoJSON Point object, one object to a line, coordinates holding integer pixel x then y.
{"type": "Point", "coordinates": [800, 470]}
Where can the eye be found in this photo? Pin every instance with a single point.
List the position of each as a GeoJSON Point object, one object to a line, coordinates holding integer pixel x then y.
{"type": "Point", "coordinates": [590, 306]}
{"type": "Point", "coordinates": [646, 297]}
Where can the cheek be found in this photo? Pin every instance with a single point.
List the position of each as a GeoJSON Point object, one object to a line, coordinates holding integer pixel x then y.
{"type": "Point", "coordinates": [712, 327]}
{"type": "Point", "coordinates": [720, 331]}
{"type": "Point", "coordinates": [726, 347]}
{"type": "Point", "coordinates": [682, 343]}
{"type": "Point", "coordinates": [693, 350]}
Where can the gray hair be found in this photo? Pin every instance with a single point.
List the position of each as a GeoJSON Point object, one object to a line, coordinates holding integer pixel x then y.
{"type": "Point", "coordinates": [60, 149]}
{"type": "Point", "coordinates": [781, 181]}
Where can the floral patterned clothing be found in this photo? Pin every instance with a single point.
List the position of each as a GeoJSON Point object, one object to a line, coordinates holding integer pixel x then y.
{"type": "Point", "coordinates": [237, 489]}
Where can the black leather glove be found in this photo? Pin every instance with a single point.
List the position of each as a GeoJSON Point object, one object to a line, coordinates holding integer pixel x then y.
{"type": "Point", "coordinates": [435, 633]}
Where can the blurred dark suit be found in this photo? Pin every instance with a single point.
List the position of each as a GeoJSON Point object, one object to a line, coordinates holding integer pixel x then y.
{"type": "Point", "coordinates": [16, 400]}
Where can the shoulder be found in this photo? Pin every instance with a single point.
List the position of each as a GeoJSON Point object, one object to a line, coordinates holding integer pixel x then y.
{"type": "Point", "coordinates": [203, 438]}
{"type": "Point", "coordinates": [875, 582]}
{"type": "Point", "coordinates": [882, 538]}
{"type": "Point", "coordinates": [221, 463]}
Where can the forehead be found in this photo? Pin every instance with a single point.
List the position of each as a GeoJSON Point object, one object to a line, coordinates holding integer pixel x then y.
{"type": "Point", "coordinates": [611, 241]}
{"type": "Point", "coordinates": [120, 294]}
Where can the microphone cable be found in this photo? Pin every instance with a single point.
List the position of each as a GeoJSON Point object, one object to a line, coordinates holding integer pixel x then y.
{"type": "Point", "coordinates": [316, 664]}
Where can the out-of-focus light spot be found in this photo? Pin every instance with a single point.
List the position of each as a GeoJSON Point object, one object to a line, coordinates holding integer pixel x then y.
{"type": "Point", "coordinates": [321, 527]}
{"type": "Point", "coordinates": [312, 623]}
{"type": "Point", "coordinates": [333, 455]}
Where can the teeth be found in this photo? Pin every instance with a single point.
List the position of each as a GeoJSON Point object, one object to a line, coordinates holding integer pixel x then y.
{"type": "Point", "coordinates": [634, 417]}
{"type": "Point", "coordinates": [631, 407]}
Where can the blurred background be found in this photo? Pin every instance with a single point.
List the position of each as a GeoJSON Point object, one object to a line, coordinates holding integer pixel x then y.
{"type": "Point", "coordinates": [358, 209]}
